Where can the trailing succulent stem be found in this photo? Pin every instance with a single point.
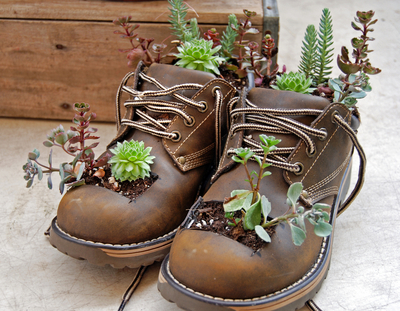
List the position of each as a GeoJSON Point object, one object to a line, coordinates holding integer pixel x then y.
{"type": "Point", "coordinates": [73, 142]}
{"type": "Point", "coordinates": [241, 28]}
{"type": "Point", "coordinates": [255, 208]}
{"type": "Point", "coordinates": [142, 48]}
{"type": "Point", "coordinates": [354, 83]}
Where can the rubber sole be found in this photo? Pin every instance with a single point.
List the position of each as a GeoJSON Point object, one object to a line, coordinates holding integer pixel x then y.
{"type": "Point", "coordinates": [117, 256]}
{"type": "Point", "coordinates": [291, 298]}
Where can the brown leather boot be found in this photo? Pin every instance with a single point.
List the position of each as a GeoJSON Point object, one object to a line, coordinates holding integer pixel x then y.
{"type": "Point", "coordinates": [105, 227]}
{"type": "Point", "coordinates": [207, 271]}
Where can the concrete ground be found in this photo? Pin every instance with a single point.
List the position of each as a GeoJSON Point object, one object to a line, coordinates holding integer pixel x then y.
{"type": "Point", "coordinates": [365, 268]}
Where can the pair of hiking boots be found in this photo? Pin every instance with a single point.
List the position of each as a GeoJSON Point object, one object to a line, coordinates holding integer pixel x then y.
{"type": "Point", "coordinates": [193, 122]}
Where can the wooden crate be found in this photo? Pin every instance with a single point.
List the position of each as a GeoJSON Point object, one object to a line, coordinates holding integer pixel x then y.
{"type": "Point", "coordinates": [55, 52]}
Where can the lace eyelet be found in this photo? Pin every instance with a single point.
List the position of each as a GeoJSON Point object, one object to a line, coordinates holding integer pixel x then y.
{"type": "Point", "coordinates": [309, 154]}
{"type": "Point", "coordinates": [192, 122]}
{"type": "Point", "coordinates": [215, 89]}
{"type": "Point", "coordinates": [202, 110]}
{"type": "Point", "coordinates": [178, 136]}
{"type": "Point", "coordinates": [301, 168]}
{"type": "Point", "coordinates": [335, 113]}
{"type": "Point", "coordinates": [326, 133]}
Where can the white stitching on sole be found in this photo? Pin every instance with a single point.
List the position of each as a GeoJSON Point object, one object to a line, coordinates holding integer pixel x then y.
{"type": "Point", "coordinates": [305, 277]}
{"type": "Point", "coordinates": [108, 244]}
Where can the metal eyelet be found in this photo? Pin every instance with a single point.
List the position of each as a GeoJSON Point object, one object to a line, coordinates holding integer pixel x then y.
{"type": "Point", "coordinates": [215, 89]}
{"type": "Point", "coordinates": [310, 155]}
{"type": "Point", "coordinates": [192, 122]}
{"type": "Point", "coordinates": [178, 136]}
{"type": "Point", "coordinates": [326, 133]}
{"type": "Point", "coordinates": [205, 108]}
{"type": "Point", "coordinates": [301, 168]}
{"type": "Point", "coordinates": [335, 113]}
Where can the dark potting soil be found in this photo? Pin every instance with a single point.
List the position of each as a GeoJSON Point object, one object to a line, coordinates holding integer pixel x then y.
{"type": "Point", "coordinates": [129, 189]}
{"type": "Point", "coordinates": [211, 217]}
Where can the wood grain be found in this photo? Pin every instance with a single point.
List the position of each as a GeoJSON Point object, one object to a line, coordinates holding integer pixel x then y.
{"type": "Point", "coordinates": [208, 11]}
{"type": "Point", "coordinates": [49, 65]}
{"type": "Point", "coordinates": [56, 52]}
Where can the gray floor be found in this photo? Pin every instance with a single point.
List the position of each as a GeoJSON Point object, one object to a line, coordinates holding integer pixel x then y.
{"type": "Point", "coordinates": [365, 268]}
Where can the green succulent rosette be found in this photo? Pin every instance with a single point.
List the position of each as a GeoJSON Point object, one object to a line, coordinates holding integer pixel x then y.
{"type": "Point", "coordinates": [199, 55]}
{"type": "Point", "coordinates": [131, 161]}
{"type": "Point", "coordinates": [294, 81]}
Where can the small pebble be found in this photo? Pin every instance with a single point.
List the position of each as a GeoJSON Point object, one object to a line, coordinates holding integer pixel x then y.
{"type": "Point", "coordinates": [211, 221]}
{"type": "Point", "coordinates": [198, 225]}
{"type": "Point", "coordinates": [111, 180]}
{"type": "Point", "coordinates": [203, 222]}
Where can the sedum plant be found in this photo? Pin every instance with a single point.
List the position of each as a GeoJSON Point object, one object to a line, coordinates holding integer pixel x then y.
{"type": "Point", "coordinates": [255, 208]}
{"type": "Point", "coordinates": [294, 81]}
{"type": "Point", "coordinates": [199, 55]}
{"type": "Point", "coordinates": [324, 48]}
{"type": "Point", "coordinates": [131, 161]}
{"type": "Point", "coordinates": [309, 52]}
{"type": "Point", "coordinates": [317, 50]}
{"type": "Point", "coordinates": [229, 36]}
{"type": "Point", "coordinates": [73, 142]}
{"type": "Point", "coordinates": [141, 48]}
{"type": "Point", "coordinates": [354, 84]}
{"type": "Point", "coordinates": [179, 24]}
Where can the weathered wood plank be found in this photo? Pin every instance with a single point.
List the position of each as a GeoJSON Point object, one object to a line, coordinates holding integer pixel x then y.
{"type": "Point", "coordinates": [209, 11]}
{"type": "Point", "coordinates": [47, 66]}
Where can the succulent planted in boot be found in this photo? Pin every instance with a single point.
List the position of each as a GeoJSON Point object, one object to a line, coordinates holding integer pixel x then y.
{"type": "Point", "coordinates": [229, 36]}
{"type": "Point", "coordinates": [316, 54]}
{"type": "Point", "coordinates": [256, 209]}
{"type": "Point", "coordinates": [294, 81]}
{"type": "Point", "coordinates": [262, 65]}
{"type": "Point", "coordinates": [179, 23]}
{"type": "Point", "coordinates": [134, 227]}
{"type": "Point", "coordinates": [73, 143]}
{"type": "Point", "coordinates": [199, 55]}
{"type": "Point", "coordinates": [131, 161]}
{"type": "Point", "coordinates": [143, 49]}
{"type": "Point", "coordinates": [354, 83]}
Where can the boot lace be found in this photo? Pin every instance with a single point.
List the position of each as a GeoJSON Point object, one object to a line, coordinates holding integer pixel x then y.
{"type": "Point", "coordinates": [147, 100]}
{"type": "Point", "coordinates": [278, 121]}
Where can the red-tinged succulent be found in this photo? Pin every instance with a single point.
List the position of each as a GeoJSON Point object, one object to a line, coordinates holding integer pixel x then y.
{"type": "Point", "coordinates": [355, 82]}
{"type": "Point", "coordinates": [73, 142]}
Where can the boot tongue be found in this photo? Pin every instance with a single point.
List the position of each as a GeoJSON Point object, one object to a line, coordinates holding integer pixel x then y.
{"type": "Point", "coordinates": [269, 98]}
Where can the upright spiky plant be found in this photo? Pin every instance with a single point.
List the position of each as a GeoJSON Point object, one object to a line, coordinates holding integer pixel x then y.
{"type": "Point", "coordinates": [325, 52]}
{"type": "Point", "coordinates": [229, 36]}
{"type": "Point", "coordinates": [180, 24]}
{"type": "Point", "coordinates": [309, 54]}
{"type": "Point", "coordinates": [178, 18]}
{"type": "Point", "coordinates": [194, 29]}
